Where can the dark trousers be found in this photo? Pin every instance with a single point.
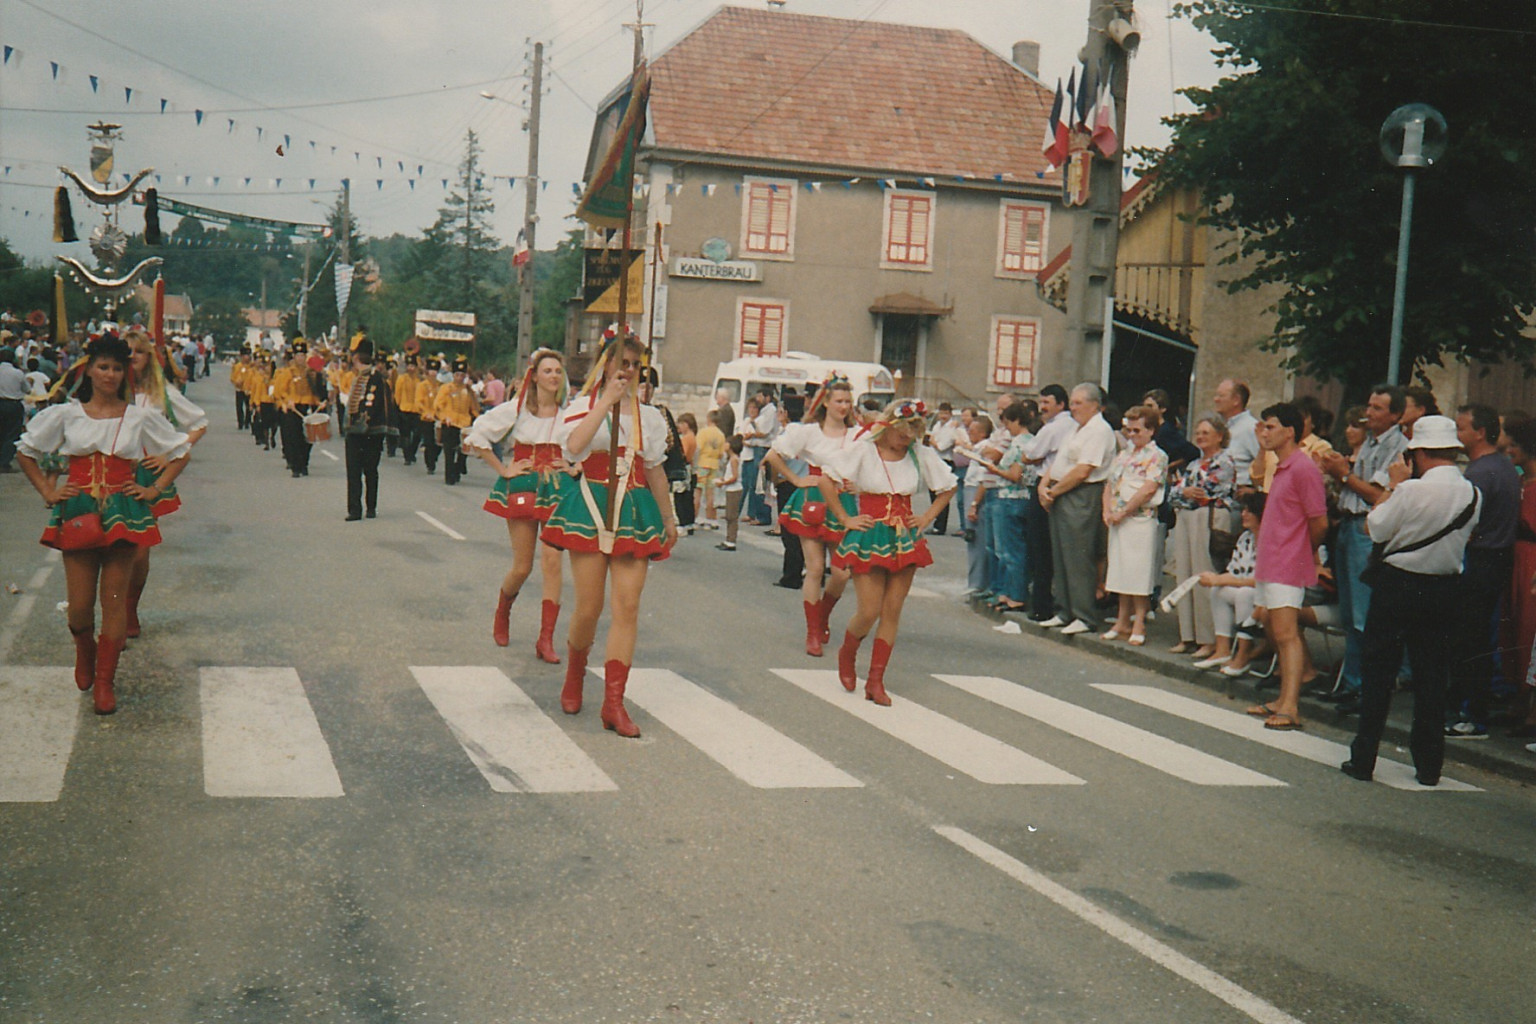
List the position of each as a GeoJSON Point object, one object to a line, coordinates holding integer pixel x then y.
{"type": "Point", "coordinates": [1037, 544]}
{"type": "Point", "coordinates": [682, 501]}
{"type": "Point", "coordinates": [363, 454]}
{"type": "Point", "coordinates": [1076, 520]}
{"type": "Point", "coordinates": [1483, 583]}
{"type": "Point", "coordinates": [941, 524]}
{"type": "Point", "coordinates": [13, 419]}
{"type": "Point", "coordinates": [410, 435]}
{"type": "Point", "coordinates": [794, 555]}
{"type": "Point", "coordinates": [295, 446]}
{"type": "Point", "coordinates": [1408, 611]}
{"type": "Point", "coordinates": [242, 410]}
{"type": "Point", "coordinates": [454, 460]}
{"type": "Point", "coordinates": [429, 446]}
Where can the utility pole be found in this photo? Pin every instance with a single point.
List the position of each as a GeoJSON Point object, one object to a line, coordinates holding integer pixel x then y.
{"type": "Point", "coordinates": [1112, 39]}
{"type": "Point", "coordinates": [309, 247]}
{"type": "Point", "coordinates": [530, 212]}
{"type": "Point", "coordinates": [346, 254]}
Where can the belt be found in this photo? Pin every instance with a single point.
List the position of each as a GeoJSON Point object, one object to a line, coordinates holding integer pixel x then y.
{"type": "Point", "coordinates": [1353, 515]}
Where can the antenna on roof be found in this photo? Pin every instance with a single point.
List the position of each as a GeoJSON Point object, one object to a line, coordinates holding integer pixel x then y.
{"type": "Point", "coordinates": [777, 5]}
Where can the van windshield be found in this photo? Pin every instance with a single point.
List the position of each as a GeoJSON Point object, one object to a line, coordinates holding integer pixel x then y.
{"type": "Point", "coordinates": [730, 387]}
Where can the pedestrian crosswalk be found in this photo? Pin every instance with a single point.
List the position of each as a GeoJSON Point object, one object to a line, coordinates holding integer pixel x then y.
{"type": "Point", "coordinates": [263, 738]}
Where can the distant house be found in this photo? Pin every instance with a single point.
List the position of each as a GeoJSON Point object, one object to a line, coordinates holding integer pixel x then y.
{"type": "Point", "coordinates": [264, 327]}
{"type": "Point", "coordinates": [857, 190]}
{"type": "Point", "coordinates": [177, 313]}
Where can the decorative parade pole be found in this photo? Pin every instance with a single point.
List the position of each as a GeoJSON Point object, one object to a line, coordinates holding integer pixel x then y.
{"type": "Point", "coordinates": [108, 242]}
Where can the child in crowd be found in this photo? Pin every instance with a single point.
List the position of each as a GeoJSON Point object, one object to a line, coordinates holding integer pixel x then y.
{"type": "Point", "coordinates": [730, 482]}
{"type": "Point", "coordinates": [711, 452]}
{"type": "Point", "coordinates": [972, 518]}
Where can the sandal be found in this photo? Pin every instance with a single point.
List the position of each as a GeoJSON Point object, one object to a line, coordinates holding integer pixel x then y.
{"type": "Point", "coordinates": [1261, 711]}
{"type": "Point", "coordinates": [1282, 723]}
{"type": "Point", "coordinates": [1112, 634]}
{"type": "Point", "coordinates": [1002, 604]}
{"type": "Point", "coordinates": [1182, 647]}
{"type": "Point", "coordinates": [1137, 639]}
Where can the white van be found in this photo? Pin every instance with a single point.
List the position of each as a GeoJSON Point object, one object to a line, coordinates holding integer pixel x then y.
{"type": "Point", "coordinates": [741, 378]}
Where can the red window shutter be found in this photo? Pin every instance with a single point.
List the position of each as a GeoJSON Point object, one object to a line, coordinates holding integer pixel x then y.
{"type": "Point", "coordinates": [1023, 238]}
{"type": "Point", "coordinates": [768, 210]}
{"type": "Point", "coordinates": [761, 330]}
{"type": "Point", "coordinates": [1013, 354]}
{"type": "Point", "coordinates": [907, 230]}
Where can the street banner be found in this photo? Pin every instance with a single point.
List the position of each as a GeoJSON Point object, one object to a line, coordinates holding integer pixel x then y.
{"type": "Point", "coordinates": [606, 202]}
{"type": "Point", "coordinates": [343, 287]}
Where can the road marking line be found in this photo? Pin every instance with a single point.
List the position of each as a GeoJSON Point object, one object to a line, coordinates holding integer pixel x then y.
{"type": "Point", "coordinates": [1160, 953]}
{"type": "Point", "coordinates": [753, 751]}
{"type": "Point", "coordinates": [975, 753]}
{"type": "Point", "coordinates": [261, 738]}
{"type": "Point", "coordinates": [923, 592]}
{"type": "Point", "coordinates": [24, 604]}
{"type": "Point", "coordinates": [509, 739]}
{"type": "Point", "coordinates": [456, 535]}
{"type": "Point", "coordinates": [1313, 748]}
{"type": "Point", "coordinates": [329, 454]}
{"type": "Point", "coordinates": [38, 710]}
{"type": "Point", "coordinates": [1139, 745]}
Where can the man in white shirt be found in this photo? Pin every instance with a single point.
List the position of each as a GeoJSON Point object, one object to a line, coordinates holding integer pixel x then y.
{"type": "Point", "coordinates": [758, 434]}
{"type": "Point", "coordinates": [1057, 426]}
{"type": "Point", "coordinates": [942, 436]}
{"type": "Point", "coordinates": [1231, 403]}
{"type": "Point", "coordinates": [1424, 524]}
{"type": "Point", "coordinates": [1071, 490]}
{"type": "Point", "coordinates": [13, 389]}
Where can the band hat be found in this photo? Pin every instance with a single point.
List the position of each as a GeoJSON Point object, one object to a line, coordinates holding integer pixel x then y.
{"type": "Point", "coordinates": [1435, 432]}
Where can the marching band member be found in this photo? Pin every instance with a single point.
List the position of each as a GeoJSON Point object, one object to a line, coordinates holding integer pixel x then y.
{"type": "Point", "coordinates": [100, 514]}
{"type": "Point", "coordinates": [410, 414]}
{"type": "Point", "coordinates": [529, 482]}
{"type": "Point", "coordinates": [237, 375]}
{"type": "Point", "coordinates": [258, 384]}
{"type": "Point", "coordinates": [883, 546]}
{"type": "Point", "coordinates": [339, 377]}
{"type": "Point", "coordinates": [619, 544]}
{"type": "Point", "coordinates": [426, 403]}
{"type": "Point", "coordinates": [370, 419]}
{"type": "Point", "coordinates": [150, 391]}
{"type": "Point", "coordinates": [828, 428]}
{"type": "Point", "coordinates": [455, 409]}
{"type": "Point", "coordinates": [298, 391]}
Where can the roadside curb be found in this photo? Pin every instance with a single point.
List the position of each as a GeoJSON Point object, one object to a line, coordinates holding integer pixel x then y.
{"type": "Point", "coordinates": [1486, 755]}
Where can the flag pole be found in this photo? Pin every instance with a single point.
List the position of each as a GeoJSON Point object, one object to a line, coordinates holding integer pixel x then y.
{"type": "Point", "coordinates": [618, 353]}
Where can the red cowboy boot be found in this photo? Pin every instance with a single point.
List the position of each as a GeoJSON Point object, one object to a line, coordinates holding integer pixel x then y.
{"type": "Point", "coordinates": [107, 652]}
{"type": "Point", "coordinates": [615, 676]}
{"type": "Point", "coordinates": [847, 661]}
{"type": "Point", "coordinates": [545, 648]}
{"type": "Point", "coordinates": [575, 672]}
{"type": "Point", "coordinates": [813, 639]}
{"type": "Point", "coordinates": [874, 685]}
{"type": "Point", "coordinates": [134, 593]}
{"type": "Point", "coordinates": [827, 604]}
{"type": "Point", "coordinates": [85, 657]}
{"type": "Point", "coordinates": [502, 624]}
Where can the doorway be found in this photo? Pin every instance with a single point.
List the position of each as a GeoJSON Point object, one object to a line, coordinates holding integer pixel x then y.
{"type": "Point", "coordinates": [899, 333]}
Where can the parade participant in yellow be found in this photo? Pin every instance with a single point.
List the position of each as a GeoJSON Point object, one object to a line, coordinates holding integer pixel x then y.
{"type": "Point", "coordinates": [409, 412]}
{"type": "Point", "coordinates": [298, 391]}
{"type": "Point", "coordinates": [100, 514]}
{"type": "Point", "coordinates": [426, 401]}
{"type": "Point", "coordinates": [339, 376]}
{"type": "Point", "coordinates": [883, 544]}
{"type": "Point", "coordinates": [237, 374]}
{"type": "Point", "coordinates": [455, 408]}
{"type": "Point", "coordinates": [619, 544]}
{"type": "Point", "coordinates": [258, 385]}
{"type": "Point", "coordinates": [530, 478]}
{"type": "Point", "coordinates": [150, 391]}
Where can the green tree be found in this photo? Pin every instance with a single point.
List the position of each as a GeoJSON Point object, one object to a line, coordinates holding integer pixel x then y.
{"type": "Point", "coordinates": [557, 279]}
{"type": "Point", "coordinates": [223, 317]}
{"type": "Point", "coordinates": [1285, 151]}
{"type": "Point", "coordinates": [321, 312]}
{"type": "Point", "coordinates": [25, 288]}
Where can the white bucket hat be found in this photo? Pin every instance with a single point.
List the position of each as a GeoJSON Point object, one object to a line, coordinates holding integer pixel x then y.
{"type": "Point", "coordinates": [1434, 432]}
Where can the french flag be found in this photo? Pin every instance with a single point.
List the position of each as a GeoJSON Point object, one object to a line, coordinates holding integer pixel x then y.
{"type": "Point", "coordinates": [1054, 146]}
{"type": "Point", "coordinates": [1104, 138]}
{"type": "Point", "coordinates": [520, 253]}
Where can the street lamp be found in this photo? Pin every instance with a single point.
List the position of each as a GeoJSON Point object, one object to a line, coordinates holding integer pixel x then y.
{"type": "Point", "coordinates": [1412, 138]}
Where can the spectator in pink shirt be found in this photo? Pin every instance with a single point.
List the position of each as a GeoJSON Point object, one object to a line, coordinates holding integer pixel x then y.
{"type": "Point", "coordinates": [495, 390]}
{"type": "Point", "coordinates": [1295, 522]}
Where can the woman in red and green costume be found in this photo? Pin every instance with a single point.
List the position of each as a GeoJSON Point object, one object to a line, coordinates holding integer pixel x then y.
{"type": "Point", "coordinates": [829, 427]}
{"type": "Point", "coordinates": [103, 435]}
{"type": "Point", "coordinates": [617, 545]}
{"type": "Point", "coordinates": [528, 486]}
{"type": "Point", "coordinates": [883, 546]}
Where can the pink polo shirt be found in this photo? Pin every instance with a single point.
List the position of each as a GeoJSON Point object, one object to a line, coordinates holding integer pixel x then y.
{"type": "Point", "coordinates": [1285, 542]}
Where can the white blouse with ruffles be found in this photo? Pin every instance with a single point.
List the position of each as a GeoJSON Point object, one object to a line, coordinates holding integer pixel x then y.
{"type": "Point", "coordinates": [189, 417]}
{"type": "Point", "coordinates": [653, 430]}
{"type": "Point", "coordinates": [809, 442]}
{"type": "Point", "coordinates": [492, 427]}
{"type": "Point", "coordinates": [861, 468]}
{"type": "Point", "coordinates": [67, 430]}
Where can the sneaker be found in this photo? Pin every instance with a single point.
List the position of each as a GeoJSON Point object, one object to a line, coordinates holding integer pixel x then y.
{"type": "Point", "coordinates": [1076, 627]}
{"type": "Point", "coordinates": [1053, 622]}
{"type": "Point", "coordinates": [725, 546]}
{"type": "Point", "coordinates": [1466, 731]}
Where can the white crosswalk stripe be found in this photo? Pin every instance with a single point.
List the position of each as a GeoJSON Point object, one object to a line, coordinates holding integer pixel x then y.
{"type": "Point", "coordinates": [1313, 748]}
{"type": "Point", "coordinates": [261, 737]}
{"type": "Point", "coordinates": [1139, 745]}
{"type": "Point", "coordinates": [753, 751]}
{"type": "Point", "coordinates": [965, 749]}
{"type": "Point", "coordinates": [38, 711]}
{"type": "Point", "coordinates": [514, 744]}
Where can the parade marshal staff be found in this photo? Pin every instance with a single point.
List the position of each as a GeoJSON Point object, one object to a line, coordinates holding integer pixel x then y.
{"type": "Point", "coordinates": [455, 409]}
{"type": "Point", "coordinates": [298, 391]}
{"type": "Point", "coordinates": [1421, 530]}
{"type": "Point", "coordinates": [643, 527]}
{"type": "Point", "coordinates": [370, 419]}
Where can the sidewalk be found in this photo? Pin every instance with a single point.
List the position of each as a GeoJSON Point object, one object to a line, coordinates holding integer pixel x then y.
{"type": "Point", "coordinates": [1499, 753]}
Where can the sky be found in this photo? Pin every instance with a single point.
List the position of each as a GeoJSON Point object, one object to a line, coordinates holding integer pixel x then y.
{"type": "Point", "coordinates": [384, 91]}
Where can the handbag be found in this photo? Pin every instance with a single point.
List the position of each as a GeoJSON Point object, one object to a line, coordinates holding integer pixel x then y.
{"type": "Point", "coordinates": [1223, 542]}
{"type": "Point", "coordinates": [814, 513]}
{"type": "Point", "coordinates": [521, 500]}
{"type": "Point", "coordinates": [82, 532]}
{"type": "Point", "coordinates": [1375, 565]}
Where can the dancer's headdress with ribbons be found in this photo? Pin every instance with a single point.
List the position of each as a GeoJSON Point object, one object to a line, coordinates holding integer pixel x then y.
{"type": "Point", "coordinates": [526, 387]}
{"type": "Point", "coordinates": [903, 410]}
{"type": "Point", "coordinates": [600, 365]}
{"type": "Point", "coordinates": [834, 381]}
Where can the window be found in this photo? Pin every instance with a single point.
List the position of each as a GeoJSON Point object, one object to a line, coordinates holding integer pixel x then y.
{"type": "Point", "coordinates": [761, 327]}
{"type": "Point", "coordinates": [1020, 238]}
{"type": "Point", "coordinates": [1013, 352]}
{"type": "Point", "coordinates": [908, 230]}
{"type": "Point", "coordinates": [768, 218]}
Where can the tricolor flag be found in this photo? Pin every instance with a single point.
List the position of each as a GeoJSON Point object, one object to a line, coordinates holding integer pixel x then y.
{"type": "Point", "coordinates": [1086, 89]}
{"type": "Point", "coordinates": [1104, 138]}
{"type": "Point", "coordinates": [520, 253]}
{"type": "Point", "coordinates": [606, 202]}
{"type": "Point", "coordinates": [1054, 145]}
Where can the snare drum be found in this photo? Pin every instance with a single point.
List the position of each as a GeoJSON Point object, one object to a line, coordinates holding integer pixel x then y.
{"type": "Point", "coordinates": [317, 427]}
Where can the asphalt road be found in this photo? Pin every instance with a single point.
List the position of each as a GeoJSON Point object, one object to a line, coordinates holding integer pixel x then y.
{"type": "Point", "coordinates": [998, 846]}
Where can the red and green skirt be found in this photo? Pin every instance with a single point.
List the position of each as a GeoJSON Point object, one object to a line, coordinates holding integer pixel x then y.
{"type": "Point", "coordinates": [168, 502]}
{"type": "Point", "coordinates": [640, 534]}
{"type": "Point", "coordinates": [529, 496]}
{"type": "Point", "coordinates": [889, 544]}
{"type": "Point", "coordinates": [794, 519]}
{"type": "Point", "coordinates": [123, 517]}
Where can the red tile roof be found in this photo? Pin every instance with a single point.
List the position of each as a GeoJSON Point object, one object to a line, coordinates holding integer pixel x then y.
{"type": "Point", "coordinates": [855, 95]}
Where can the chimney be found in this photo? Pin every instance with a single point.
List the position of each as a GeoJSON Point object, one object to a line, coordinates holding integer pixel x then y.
{"type": "Point", "coordinates": [1026, 54]}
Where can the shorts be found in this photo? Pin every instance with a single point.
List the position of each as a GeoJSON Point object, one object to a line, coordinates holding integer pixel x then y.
{"type": "Point", "coordinates": [707, 477]}
{"type": "Point", "coordinates": [1279, 595]}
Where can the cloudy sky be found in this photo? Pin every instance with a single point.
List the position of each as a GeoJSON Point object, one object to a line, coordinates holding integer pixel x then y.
{"type": "Point", "coordinates": [384, 91]}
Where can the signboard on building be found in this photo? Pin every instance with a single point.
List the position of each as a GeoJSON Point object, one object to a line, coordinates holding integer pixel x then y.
{"type": "Point", "coordinates": [710, 270]}
{"type": "Point", "coordinates": [600, 272]}
{"type": "Point", "coordinates": [445, 325]}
